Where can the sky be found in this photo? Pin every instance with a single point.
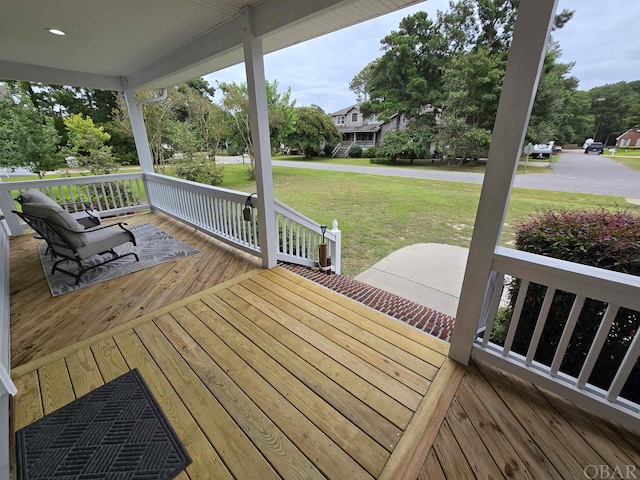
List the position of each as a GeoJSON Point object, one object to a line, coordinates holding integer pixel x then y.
{"type": "Point", "coordinates": [601, 39]}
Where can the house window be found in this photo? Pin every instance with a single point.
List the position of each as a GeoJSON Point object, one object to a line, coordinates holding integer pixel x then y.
{"type": "Point", "coordinates": [404, 120]}
{"type": "Point", "coordinates": [340, 120]}
{"type": "Point", "coordinates": [374, 119]}
{"type": "Point", "coordinates": [354, 117]}
{"type": "Point", "coordinates": [625, 142]}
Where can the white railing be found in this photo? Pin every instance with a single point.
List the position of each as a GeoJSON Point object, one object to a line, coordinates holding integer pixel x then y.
{"type": "Point", "coordinates": [336, 149]}
{"type": "Point", "coordinates": [301, 236]}
{"type": "Point", "coordinates": [216, 211]}
{"type": "Point", "coordinates": [582, 285]}
{"type": "Point", "coordinates": [108, 194]}
{"type": "Point", "coordinates": [7, 387]}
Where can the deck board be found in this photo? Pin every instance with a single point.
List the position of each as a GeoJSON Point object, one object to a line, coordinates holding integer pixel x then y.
{"type": "Point", "coordinates": [500, 426]}
{"type": "Point", "coordinates": [252, 386]}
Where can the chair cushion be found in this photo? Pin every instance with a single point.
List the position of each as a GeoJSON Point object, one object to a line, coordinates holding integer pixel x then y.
{"type": "Point", "coordinates": [35, 196]}
{"type": "Point", "coordinates": [59, 216]}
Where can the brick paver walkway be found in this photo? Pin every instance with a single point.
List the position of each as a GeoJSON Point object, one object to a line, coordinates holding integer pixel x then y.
{"type": "Point", "coordinates": [423, 318]}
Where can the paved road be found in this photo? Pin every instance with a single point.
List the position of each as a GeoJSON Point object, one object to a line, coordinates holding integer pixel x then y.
{"type": "Point", "coordinates": [575, 172]}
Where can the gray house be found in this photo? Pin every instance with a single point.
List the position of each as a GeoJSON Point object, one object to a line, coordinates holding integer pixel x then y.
{"type": "Point", "coordinates": [356, 129]}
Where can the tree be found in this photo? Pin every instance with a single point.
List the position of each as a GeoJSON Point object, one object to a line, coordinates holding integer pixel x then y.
{"type": "Point", "coordinates": [87, 144]}
{"type": "Point", "coordinates": [554, 89]}
{"type": "Point", "coordinates": [408, 143]}
{"type": "Point", "coordinates": [408, 76]}
{"type": "Point", "coordinates": [58, 101]}
{"type": "Point", "coordinates": [281, 108]}
{"type": "Point", "coordinates": [633, 116]}
{"type": "Point", "coordinates": [473, 82]}
{"type": "Point", "coordinates": [314, 128]}
{"type": "Point", "coordinates": [27, 139]}
{"type": "Point", "coordinates": [414, 74]}
{"type": "Point", "coordinates": [610, 105]}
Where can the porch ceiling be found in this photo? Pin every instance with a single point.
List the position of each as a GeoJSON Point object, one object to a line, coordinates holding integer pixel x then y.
{"type": "Point", "coordinates": [156, 43]}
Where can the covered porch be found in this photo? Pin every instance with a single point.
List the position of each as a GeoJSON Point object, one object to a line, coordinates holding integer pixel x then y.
{"type": "Point", "coordinates": [350, 392]}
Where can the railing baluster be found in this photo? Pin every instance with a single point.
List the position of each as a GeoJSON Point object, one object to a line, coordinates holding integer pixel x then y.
{"type": "Point", "coordinates": [596, 346]}
{"type": "Point", "coordinates": [119, 192]}
{"type": "Point", "coordinates": [629, 361]}
{"type": "Point", "coordinates": [492, 307]}
{"type": "Point", "coordinates": [566, 334]}
{"type": "Point", "coordinates": [515, 318]}
{"type": "Point", "coordinates": [542, 320]}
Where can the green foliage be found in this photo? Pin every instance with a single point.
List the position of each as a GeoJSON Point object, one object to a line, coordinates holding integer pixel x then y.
{"type": "Point", "coordinates": [328, 149]}
{"type": "Point", "coordinates": [633, 116]}
{"type": "Point", "coordinates": [282, 116]}
{"type": "Point", "coordinates": [455, 63]}
{"type": "Point", "coordinates": [314, 129]}
{"type": "Point", "coordinates": [370, 152]}
{"type": "Point", "coordinates": [27, 139]}
{"type": "Point", "coordinates": [355, 151]}
{"type": "Point", "coordinates": [611, 105]}
{"type": "Point", "coordinates": [122, 143]}
{"type": "Point", "coordinates": [198, 168]}
{"type": "Point", "coordinates": [86, 142]}
{"type": "Point", "coordinates": [600, 238]}
{"type": "Point", "coordinates": [409, 143]}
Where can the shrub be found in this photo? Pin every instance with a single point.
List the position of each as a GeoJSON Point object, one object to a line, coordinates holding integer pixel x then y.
{"type": "Point", "coordinates": [199, 169]}
{"type": "Point", "coordinates": [355, 151]}
{"type": "Point", "coordinates": [371, 152]}
{"type": "Point", "coordinates": [328, 150]}
{"type": "Point", "coordinates": [604, 239]}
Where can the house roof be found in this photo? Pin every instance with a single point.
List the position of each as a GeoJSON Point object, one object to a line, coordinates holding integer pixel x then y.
{"type": "Point", "coordinates": [373, 127]}
{"type": "Point", "coordinates": [160, 42]}
{"type": "Point", "coordinates": [344, 111]}
{"type": "Point", "coordinates": [635, 129]}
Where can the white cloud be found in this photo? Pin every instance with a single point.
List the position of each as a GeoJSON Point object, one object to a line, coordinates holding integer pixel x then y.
{"type": "Point", "coordinates": [600, 39]}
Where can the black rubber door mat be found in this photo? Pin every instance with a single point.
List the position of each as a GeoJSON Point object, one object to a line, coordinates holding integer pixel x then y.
{"type": "Point", "coordinates": [117, 431]}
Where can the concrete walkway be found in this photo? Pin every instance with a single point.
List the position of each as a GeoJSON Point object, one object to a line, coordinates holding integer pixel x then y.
{"type": "Point", "coordinates": [429, 274]}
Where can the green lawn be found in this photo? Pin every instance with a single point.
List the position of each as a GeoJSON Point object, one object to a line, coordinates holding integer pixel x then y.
{"type": "Point", "coordinates": [379, 215]}
{"type": "Point", "coordinates": [629, 159]}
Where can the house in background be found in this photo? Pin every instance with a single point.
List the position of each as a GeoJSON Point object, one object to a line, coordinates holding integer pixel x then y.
{"type": "Point", "coordinates": [630, 138]}
{"type": "Point", "coordinates": [356, 129]}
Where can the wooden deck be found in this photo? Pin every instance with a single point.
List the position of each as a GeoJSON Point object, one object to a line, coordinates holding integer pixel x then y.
{"type": "Point", "coordinates": [269, 376]}
{"type": "Point", "coordinates": [41, 324]}
{"type": "Point", "coordinates": [264, 374]}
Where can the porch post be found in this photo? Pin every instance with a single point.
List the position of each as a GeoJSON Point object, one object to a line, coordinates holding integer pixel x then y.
{"type": "Point", "coordinates": [259, 118]}
{"type": "Point", "coordinates": [526, 56]}
{"type": "Point", "coordinates": [139, 131]}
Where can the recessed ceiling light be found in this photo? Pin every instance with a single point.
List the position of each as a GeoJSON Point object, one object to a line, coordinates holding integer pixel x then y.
{"type": "Point", "coordinates": [55, 31]}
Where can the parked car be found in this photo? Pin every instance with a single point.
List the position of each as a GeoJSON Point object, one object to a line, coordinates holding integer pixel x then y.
{"type": "Point", "coordinates": [597, 147]}
{"type": "Point", "coordinates": [543, 150]}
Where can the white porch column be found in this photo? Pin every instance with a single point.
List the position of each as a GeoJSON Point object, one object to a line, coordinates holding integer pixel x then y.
{"type": "Point", "coordinates": [518, 92]}
{"type": "Point", "coordinates": [259, 118]}
{"type": "Point", "coordinates": [139, 131]}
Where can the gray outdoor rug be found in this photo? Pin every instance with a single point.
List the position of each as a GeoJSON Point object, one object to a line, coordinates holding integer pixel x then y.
{"type": "Point", "coordinates": [115, 432]}
{"type": "Point", "coordinates": [154, 247]}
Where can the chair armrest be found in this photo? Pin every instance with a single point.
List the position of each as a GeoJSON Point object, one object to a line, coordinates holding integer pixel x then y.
{"type": "Point", "coordinates": [119, 224]}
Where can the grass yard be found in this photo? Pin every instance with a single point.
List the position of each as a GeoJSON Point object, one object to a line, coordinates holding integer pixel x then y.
{"type": "Point", "coordinates": [379, 215]}
{"type": "Point", "coordinates": [629, 159]}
